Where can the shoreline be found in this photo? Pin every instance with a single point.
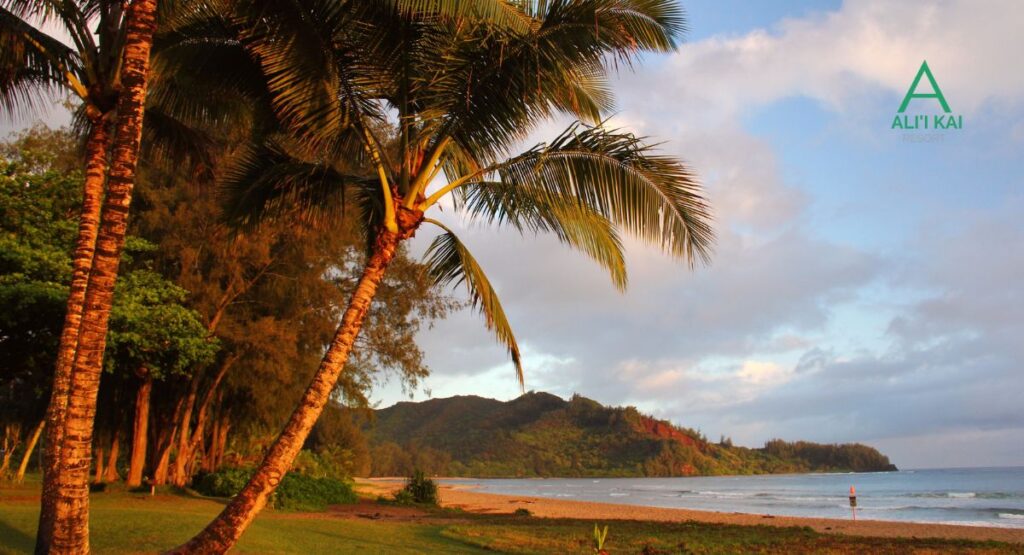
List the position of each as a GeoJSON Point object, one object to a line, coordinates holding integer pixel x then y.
{"type": "Point", "coordinates": [470, 500]}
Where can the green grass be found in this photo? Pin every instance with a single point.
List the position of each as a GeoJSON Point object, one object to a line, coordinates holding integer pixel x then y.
{"type": "Point", "coordinates": [123, 522]}
{"type": "Point", "coordinates": [576, 536]}
{"type": "Point", "coordinates": [135, 523]}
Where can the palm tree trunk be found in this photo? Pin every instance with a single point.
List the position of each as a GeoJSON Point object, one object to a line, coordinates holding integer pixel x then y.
{"type": "Point", "coordinates": [32, 441]}
{"type": "Point", "coordinates": [221, 534]}
{"type": "Point", "coordinates": [96, 148]}
{"type": "Point", "coordinates": [70, 530]}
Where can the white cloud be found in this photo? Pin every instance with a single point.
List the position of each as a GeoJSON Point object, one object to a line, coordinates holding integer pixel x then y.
{"type": "Point", "coordinates": [846, 58]}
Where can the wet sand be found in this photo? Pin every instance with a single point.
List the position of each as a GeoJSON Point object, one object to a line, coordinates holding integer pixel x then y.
{"type": "Point", "coordinates": [474, 501]}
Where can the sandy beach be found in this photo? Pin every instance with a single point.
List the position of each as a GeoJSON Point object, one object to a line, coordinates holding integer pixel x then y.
{"type": "Point", "coordinates": [474, 501]}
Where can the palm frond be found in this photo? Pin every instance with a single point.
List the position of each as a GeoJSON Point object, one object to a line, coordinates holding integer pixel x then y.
{"type": "Point", "coordinates": [73, 16]}
{"type": "Point", "coordinates": [34, 66]}
{"type": "Point", "coordinates": [168, 141]}
{"type": "Point", "coordinates": [307, 66]}
{"type": "Point", "coordinates": [496, 86]}
{"type": "Point", "coordinates": [449, 262]}
{"type": "Point", "coordinates": [653, 197]}
{"type": "Point", "coordinates": [492, 12]}
{"type": "Point", "coordinates": [265, 181]}
{"type": "Point", "coordinates": [571, 221]}
{"type": "Point", "coordinates": [208, 81]}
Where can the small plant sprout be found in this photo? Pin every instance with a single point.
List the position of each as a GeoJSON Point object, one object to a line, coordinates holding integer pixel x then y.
{"type": "Point", "coordinates": [599, 537]}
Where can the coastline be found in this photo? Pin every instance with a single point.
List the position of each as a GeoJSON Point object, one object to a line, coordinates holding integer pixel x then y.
{"type": "Point", "coordinates": [469, 499]}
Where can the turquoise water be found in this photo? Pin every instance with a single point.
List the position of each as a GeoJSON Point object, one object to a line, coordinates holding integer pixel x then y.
{"type": "Point", "coordinates": [974, 496]}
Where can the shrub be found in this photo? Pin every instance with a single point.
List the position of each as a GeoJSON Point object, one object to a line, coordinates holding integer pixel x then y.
{"type": "Point", "coordinates": [303, 493]}
{"type": "Point", "coordinates": [423, 490]}
{"type": "Point", "coordinates": [225, 482]}
{"type": "Point", "coordinates": [522, 512]}
{"type": "Point", "coordinates": [418, 490]}
{"type": "Point", "coordinates": [403, 497]}
{"type": "Point", "coordinates": [329, 462]}
{"type": "Point", "coordinates": [296, 492]}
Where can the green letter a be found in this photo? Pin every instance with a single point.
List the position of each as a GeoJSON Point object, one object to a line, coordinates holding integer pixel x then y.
{"type": "Point", "coordinates": [935, 87]}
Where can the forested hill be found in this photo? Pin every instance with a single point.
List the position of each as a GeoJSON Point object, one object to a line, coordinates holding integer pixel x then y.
{"type": "Point", "coordinates": [540, 434]}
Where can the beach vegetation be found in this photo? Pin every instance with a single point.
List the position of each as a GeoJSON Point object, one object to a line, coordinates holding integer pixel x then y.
{"type": "Point", "coordinates": [297, 492]}
{"type": "Point", "coordinates": [419, 489]}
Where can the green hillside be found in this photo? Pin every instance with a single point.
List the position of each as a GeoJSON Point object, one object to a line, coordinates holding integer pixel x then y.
{"type": "Point", "coordinates": [540, 434]}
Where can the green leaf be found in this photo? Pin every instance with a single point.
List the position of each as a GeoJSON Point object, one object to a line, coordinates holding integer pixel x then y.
{"type": "Point", "coordinates": [32, 66]}
{"type": "Point", "coordinates": [616, 175]}
{"type": "Point", "coordinates": [571, 221]}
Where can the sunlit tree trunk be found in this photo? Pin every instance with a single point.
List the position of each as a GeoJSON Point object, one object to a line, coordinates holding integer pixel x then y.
{"type": "Point", "coordinates": [189, 444]}
{"type": "Point", "coordinates": [97, 465]}
{"type": "Point", "coordinates": [221, 534]}
{"type": "Point", "coordinates": [96, 149]}
{"type": "Point", "coordinates": [27, 456]}
{"type": "Point", "coordinates": [115, 444]}
{"type": "Point", "coordinates": [162, 462]}
{"type": "Point", "coordinates": [223, 428]}
{"type": "Point", "coordinates": [140, 431]}
{"type": "Point", "coordinates": [12, 437]}
{"type": "Point", "coordinates": [184, 425]}
{"type": "Point", "coordinates": [165, 435]}
{"type": "Point", "coordinates": [209, 452]}
{"type": "Point", "coordinates": [70, 529]}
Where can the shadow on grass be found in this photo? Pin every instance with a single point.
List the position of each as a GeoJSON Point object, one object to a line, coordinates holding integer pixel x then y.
{"type": "Point", "coordinates": [14, 539]}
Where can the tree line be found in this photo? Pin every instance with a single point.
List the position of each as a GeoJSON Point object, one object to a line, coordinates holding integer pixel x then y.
{"type": "Point", "coordinates": [195, 302]}
{"type": "Point", "coordinates": [274, 159]}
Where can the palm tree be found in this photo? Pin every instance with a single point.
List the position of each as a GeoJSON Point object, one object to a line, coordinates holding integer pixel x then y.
{"type": "Point", "coordinates": [107, 69]}
{"type": "Point", "coordinates": [462, 93]}
{"type": "Point", "coordinates": [34, 65]}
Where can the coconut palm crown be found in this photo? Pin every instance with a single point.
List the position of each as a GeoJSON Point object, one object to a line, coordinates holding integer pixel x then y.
{"type": "Point", "coordinates": [460, 96]}
{"type": "Point", "coordinates": [386, 110]}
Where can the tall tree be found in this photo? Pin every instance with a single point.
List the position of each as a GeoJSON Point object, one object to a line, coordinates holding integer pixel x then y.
{"type": "Point", "coordinates": [464, 92]}
{"type": "Point", "coordinates": [272, 296]}
{"type": "Point", "coordinates": [40, 187]}
{"type": "Point", "coordinates": [70, 528]}
{"type": "Point", "coordinates": [155, 337]}
{"type": "Point", "coordinates": [106, 69]}
{"type": "Point", "coordinates": [33, 66]}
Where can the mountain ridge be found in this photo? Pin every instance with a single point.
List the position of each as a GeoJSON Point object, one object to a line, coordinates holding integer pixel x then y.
{"type": "Point", "coordinates": [542, 435]}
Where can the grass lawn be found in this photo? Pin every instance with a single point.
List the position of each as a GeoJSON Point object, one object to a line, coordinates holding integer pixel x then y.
{"type": "Point", "coordinates": [134, 523]}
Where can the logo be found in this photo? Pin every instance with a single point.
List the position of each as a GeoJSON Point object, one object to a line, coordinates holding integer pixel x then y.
{"type": "Point", "coordinates": [927, 120]}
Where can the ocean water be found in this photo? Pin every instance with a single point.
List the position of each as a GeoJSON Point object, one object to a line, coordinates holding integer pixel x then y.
{"type": "Point", "coordinates": [974, 496]}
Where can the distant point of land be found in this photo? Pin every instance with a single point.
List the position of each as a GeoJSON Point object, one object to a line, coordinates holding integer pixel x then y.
{"type": "Point", "coordinates": [543, 435]}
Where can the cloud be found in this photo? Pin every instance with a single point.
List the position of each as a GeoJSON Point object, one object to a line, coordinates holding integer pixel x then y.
{"type": "Point", "coordinates": [863, 52]}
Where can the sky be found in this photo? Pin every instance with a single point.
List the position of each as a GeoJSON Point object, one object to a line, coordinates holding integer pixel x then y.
{"type": "Point", "coordinates": [865, 284]}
